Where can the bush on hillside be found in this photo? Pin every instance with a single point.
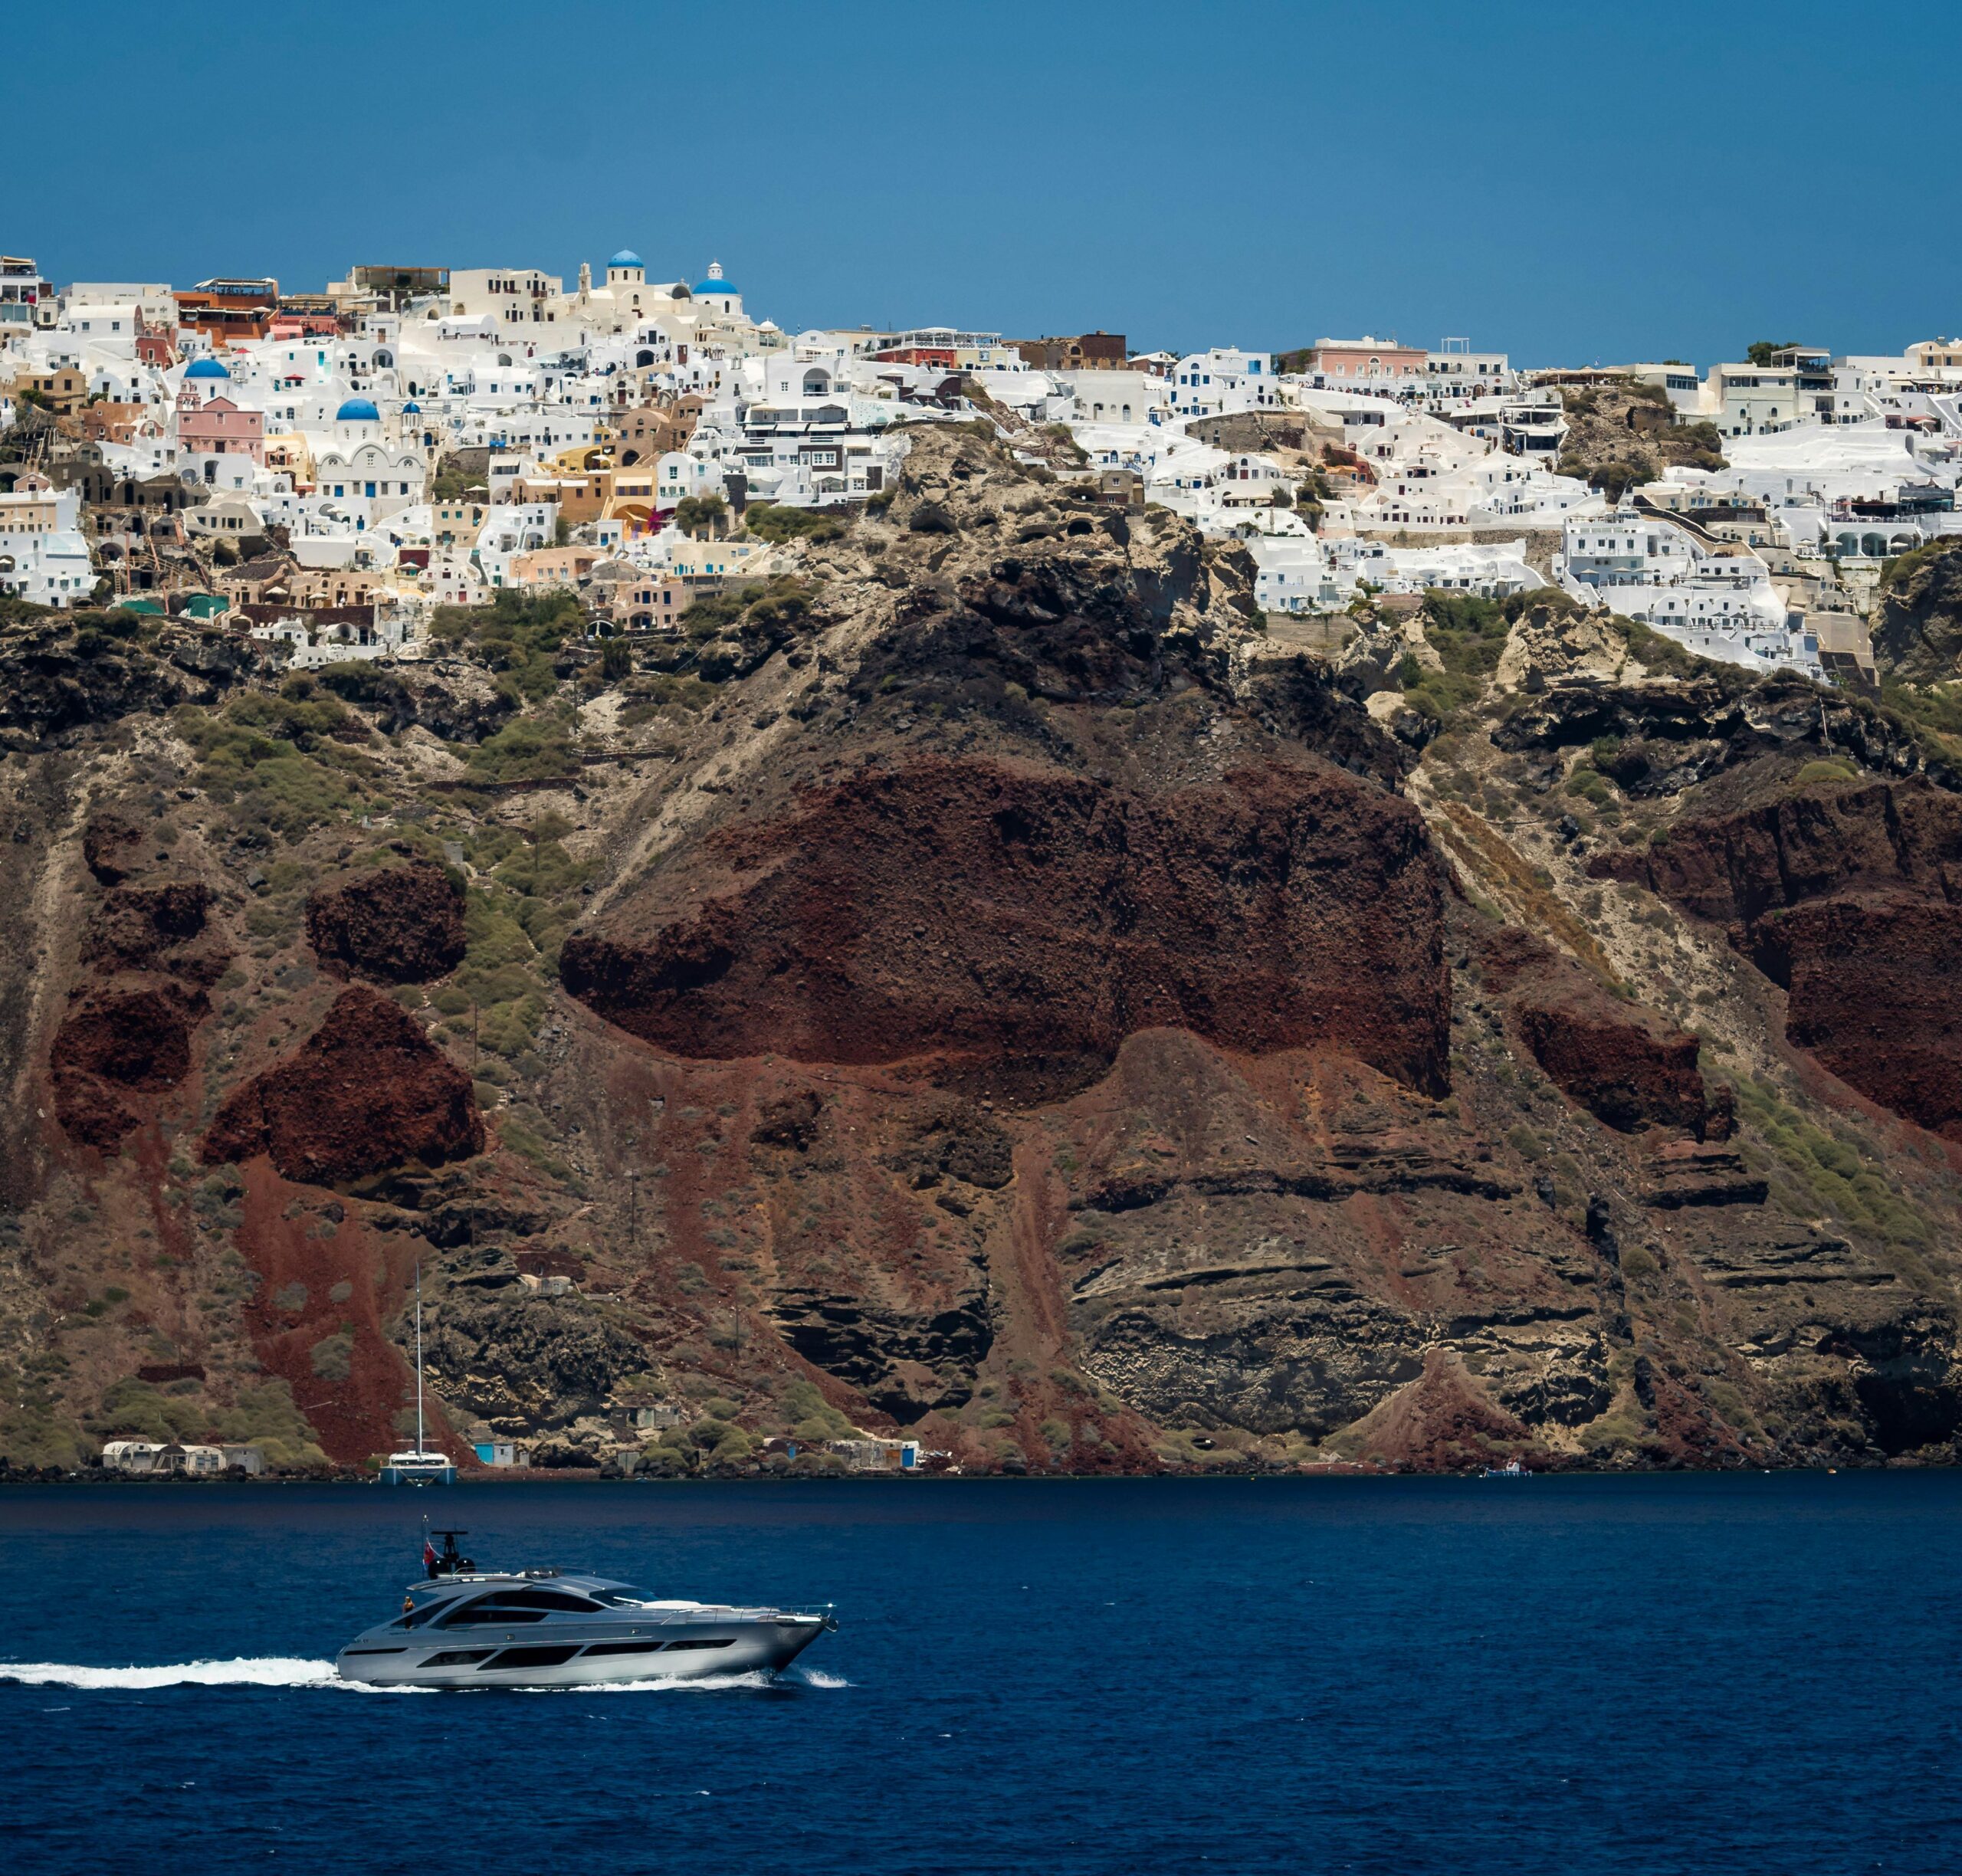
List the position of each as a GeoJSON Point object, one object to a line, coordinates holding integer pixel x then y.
{"type": "Point", "coordinates": [768, 522]}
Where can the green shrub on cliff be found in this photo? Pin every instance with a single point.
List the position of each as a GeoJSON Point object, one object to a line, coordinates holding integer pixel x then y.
{"type": "Point", "coordinates": [539, 867]}
{"type": "Point", "coordinates": [1589, 784]}
{"type": "Point", "coordinates": [530, 749]}
{"type": "Point", "coordinates": [767, 522]}
{"type": "Point", "coordinates": [1615, 477]}
{"type": "Point", "coordinates": [529, 1144]}
{"type": "Point", "coordinates": [696, 515]}
{"type": "Point", "coordinates": [1903, 567]}
{"type": "Point", "coordinates": [809, 1415]}
{"type": "Point", "coordinates": [266, 1417]}
{"type": "Point", "coordinates": [1833, 1176]}
{"type": "Point", "coordinates": [519, 635]}
{"type": "Point", "coordinates": [286, 761]}
{"type": "Point", "coordinates": [1696, 446]}
{"type": "Point", "coordinates": [1468, 632]}
{"type": "Point", "coordinates": [1931, 712]}
{"type": "Point", "coordinates": [332, 1357]}
{"type": "Point", "coordinates": [658, 694]}
{"type": "Point", "coordinates": [135, 1410]}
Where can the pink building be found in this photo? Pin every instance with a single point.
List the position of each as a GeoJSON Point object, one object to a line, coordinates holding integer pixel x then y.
{"type": "Point", "coordinates": [220, 429]}
{"type": "Point", "coordinates": [646, 603]}
{"type": "Point", "coordinates": [1368, 360]}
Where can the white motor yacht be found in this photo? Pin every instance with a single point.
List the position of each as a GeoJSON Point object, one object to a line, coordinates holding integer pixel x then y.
{"type": "Point", "coordinates": [465, 1627]}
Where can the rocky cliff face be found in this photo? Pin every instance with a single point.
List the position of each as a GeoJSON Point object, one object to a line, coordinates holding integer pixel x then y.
{"type": "Point", "coordinates": [365, 1093]}
{"type": "Point", "coordinates": [1012, 924]}
{"type": "Point", "coordinates": [1844, 896]}
{"type": "Point", "coordinates": [1918, 631]}
{"type": "Point", "coordinates": [979, 983]}
{"type": "Point", "coordinates": [398, 925]}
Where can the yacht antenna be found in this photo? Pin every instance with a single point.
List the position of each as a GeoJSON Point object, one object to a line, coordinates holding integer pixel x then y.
{"type": "Point", "coordinates": [418, 1358]}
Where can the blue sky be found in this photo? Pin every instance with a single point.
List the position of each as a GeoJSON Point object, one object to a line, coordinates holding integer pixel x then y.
{"type": "Point", "coordinates": [1569, 180]}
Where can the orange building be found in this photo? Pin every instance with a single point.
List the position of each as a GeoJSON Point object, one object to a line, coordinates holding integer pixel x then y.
{"type": "Point", "coordinates": [229, 309]}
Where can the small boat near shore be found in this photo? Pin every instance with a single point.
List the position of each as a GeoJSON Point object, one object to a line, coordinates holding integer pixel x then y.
{"type": "Point", "coordinates": [419, 1466]}
{"type": "Point", "coordinates": [1511, 1469]}
{"type": "Point", "coordinates": [461, 1627]}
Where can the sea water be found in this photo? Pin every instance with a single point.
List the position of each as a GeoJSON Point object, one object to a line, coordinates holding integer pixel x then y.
{"type": "Point", "coordinates": [1652, 1674]}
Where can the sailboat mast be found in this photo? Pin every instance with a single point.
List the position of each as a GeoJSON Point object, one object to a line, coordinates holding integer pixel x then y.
{"type": "Point", "coordinates": [418, 1358]}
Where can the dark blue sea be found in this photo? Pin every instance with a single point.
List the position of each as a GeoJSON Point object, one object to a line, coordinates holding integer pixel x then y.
{"type": "Point", "coordinates": [1694, 1674]}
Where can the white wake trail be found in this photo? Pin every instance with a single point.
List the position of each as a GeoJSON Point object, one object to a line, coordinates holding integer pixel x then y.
{"type": "Point", "coordinates": [266, 1670]}
{"type": "Point", "coordinates": [817, 1677]}
{"type": "Point", "coordinates": [281, 1671]}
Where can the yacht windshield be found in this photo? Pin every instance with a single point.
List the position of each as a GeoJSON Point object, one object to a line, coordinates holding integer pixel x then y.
{"type": "Point", "coordinates": [623, 1598]}
{"type": "Point", "coordinates": [520, 1605]}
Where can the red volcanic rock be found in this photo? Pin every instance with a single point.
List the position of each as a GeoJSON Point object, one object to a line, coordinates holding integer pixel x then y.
{"type": "Point", "coordinates": [112, 848]}
{"type": "Point", "coordinates": [1849, 899]}
{"type": "Point", "coordinates": [1627, 1064]}
{"type": "Point", "coordinates": [394, 925]}
{"type": "Point", "coordinates": [1020, 921]}
{"type": "Point", "coordinates": [90, 1112]}
{"type": "Point", "coordinates": [112, 1043]}
{"type": "Point", "coordinates": [1875, 992]}
{"type": "Point", "coordinates": [1734, 868]}
{"type": "Point", "coordinates": [1443, 1421]}
{"type": "Point", "coordinates": [1624, 1065]}
{"type": "Point", "coordinates": [366, 1092]}
{"type": "Point", "coordinates": [133, 927]}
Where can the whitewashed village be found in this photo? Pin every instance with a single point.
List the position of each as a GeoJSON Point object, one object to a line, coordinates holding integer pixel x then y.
{"type": "Point", "coordinates": [326, 470]}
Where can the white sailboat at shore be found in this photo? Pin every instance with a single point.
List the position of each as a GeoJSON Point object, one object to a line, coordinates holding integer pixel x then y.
{"type": "Point", "coordinates": [420, 1466]}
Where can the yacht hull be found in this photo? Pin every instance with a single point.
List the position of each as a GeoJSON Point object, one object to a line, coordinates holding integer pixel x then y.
{"type": "Point", "coordinates": [551, 1654]}
{"type": "Point", "coordinates": [408, 1475]}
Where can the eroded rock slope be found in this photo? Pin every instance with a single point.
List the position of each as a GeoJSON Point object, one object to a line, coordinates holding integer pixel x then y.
{"type": "Point", "coordinates": [981, 983]}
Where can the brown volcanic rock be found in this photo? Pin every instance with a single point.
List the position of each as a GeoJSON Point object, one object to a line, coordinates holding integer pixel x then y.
{"type": "Point", "coordinates": [1874, 985]}
{"type": "Point", "coordinates": [1275, 1243]}
{"type": "Point", "coordinates": [1283, 1248]}
{"type": "Point", "coordinates": [366, 1092]}
{"type": "Point", "coordinates": [1677, 735]}
{"type": "Point", "coordinates": [90, 1111]}
{"type": "Point", "coordinates": [1849, 900]}
{"type": "Point", "coordinates": [133, 927]}
{"type": "Point", "coordinates": [1734, 868]}
{"type": "Point", "coordinates": [51, 689]}
{"type": "Point", "coordinates": [114, 1042]}
{"type": "Point", "coordinates": [394, 925]}
{"type": "Point", "coordinates": [112, 848]}
{"type": "Point", "coordinates": [140, 1038]}
{"type": "Point", "coordinates": [984, 910]}
{"type": "Point", "coordinates": [1624, 1066]}
{"type": "Point", "coordinates": [1443, 1421]}
{"type": "Point", "coordinates": [1628, 1065]}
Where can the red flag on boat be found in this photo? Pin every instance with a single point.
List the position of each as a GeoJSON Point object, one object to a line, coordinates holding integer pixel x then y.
{"type": "Point", "coordinates": [428, 1555]}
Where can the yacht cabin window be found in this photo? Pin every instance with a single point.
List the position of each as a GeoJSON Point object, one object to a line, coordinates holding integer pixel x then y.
{"type": "Point", "coordinates": [521, 1606]}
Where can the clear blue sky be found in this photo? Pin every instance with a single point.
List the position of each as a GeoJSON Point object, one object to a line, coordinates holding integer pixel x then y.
{"type": "Point", "coordinates": [1569, 180]}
